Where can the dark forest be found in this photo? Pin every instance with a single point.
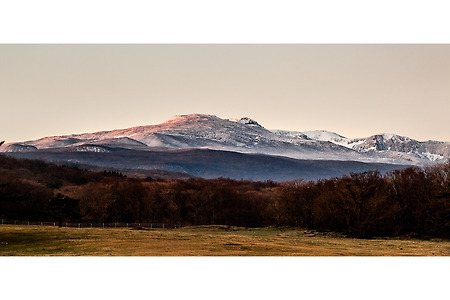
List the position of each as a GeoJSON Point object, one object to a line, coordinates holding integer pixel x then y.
{"type": "Point", "coordinates": [413, 201]}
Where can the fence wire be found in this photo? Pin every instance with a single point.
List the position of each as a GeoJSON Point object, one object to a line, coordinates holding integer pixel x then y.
{"type": "Point", "coordinates": [88, 225]}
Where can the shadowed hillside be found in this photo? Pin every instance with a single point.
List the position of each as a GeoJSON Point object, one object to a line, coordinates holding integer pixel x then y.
{"type": "Point", "coordinates": [210, 163]}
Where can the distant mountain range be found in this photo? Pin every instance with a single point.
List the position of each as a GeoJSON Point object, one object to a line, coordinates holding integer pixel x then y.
{"type": "Point", "coordinates": [208, 146]}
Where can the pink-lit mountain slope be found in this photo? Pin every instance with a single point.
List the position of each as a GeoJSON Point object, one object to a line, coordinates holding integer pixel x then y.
{"type": "Point", "coordinates": [246, 136]}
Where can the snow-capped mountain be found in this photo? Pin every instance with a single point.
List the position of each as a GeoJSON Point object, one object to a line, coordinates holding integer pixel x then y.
{"type": "Point", "coordinates": [246, 136]}
{"type": "Point", "coordinates": [390, 145]}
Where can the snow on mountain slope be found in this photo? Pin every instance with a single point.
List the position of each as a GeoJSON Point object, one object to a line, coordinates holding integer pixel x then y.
{"type": "Point", "coordinates": [388, 145]}
{"type": "Point", "coordinates": [16, 148]}
{"type": "Point", "coordinates": [247, 136]}
{"type": "Point", "coordinates": [323, 135]}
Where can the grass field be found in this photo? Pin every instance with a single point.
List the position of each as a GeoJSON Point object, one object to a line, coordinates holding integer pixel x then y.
{"type": "Point", "coordinates": [18, 240]}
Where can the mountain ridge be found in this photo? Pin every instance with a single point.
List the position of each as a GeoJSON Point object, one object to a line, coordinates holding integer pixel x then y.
{"type": "Point", "coordinates": [245, 135]}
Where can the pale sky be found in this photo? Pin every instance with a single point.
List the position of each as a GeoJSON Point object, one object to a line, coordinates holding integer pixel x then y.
{"type": "Point", "coordinates": [353, 90]}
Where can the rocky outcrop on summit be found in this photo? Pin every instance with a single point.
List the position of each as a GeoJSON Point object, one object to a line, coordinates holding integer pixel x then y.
{"type": "Point", "coordinates": [248, 121]}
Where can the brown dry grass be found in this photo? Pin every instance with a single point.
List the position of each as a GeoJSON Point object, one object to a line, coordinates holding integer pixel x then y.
{"type": "Point", "coordinates": [203, 241]}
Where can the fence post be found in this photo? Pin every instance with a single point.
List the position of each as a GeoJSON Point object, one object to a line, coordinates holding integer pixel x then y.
{"type": "Point", "coordinates": [163, 225]}
{"type": "Point", "coordinates": [66, 224]}
{"type": "Point", "coordinates": [103, 225]}
{"type": "Point", "coordinates": [42, 224]}
{"type": "Point", "coordinates": [127, 225]}
{"type": "Point", "coordinates": [2, 221]}
{"type": "Point", "coordinates": [28, 222]}
{"type": "Point", "coordinates": [115, 225]}
{"type": "Point", "coordinates": [139, 224]}
{"type": "Point", "coordinates": [54, 223]}
{"type": "Point", "coordinates": [91, 225]}
{"type": "Point", "coordinates": [78, 225]}
{"type": "Point", "coordinates": [151, 225]}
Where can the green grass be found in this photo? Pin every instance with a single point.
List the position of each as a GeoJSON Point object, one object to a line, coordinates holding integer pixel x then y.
{"type": "Point", "coordinates": [18, 240]}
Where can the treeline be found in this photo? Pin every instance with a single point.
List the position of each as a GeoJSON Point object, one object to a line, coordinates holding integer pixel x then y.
{"type": "Point", "coordinates": [410, 201]}
{"type": "Point", "coordinates": [28, 188]}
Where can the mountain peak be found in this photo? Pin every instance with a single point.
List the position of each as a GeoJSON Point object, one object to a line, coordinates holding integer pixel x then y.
{"type": "Point", "coordinates": [392, 136]}
{"type": "Point", "coordinates": [190, 117]}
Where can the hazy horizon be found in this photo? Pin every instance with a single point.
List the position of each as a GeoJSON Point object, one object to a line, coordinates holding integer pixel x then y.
{"type": "Point", "coordinates": [353, 90]}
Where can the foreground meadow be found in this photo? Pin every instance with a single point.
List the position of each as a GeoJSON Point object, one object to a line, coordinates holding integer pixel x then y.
{"type": "Point", "coordinates": [203, 241]}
